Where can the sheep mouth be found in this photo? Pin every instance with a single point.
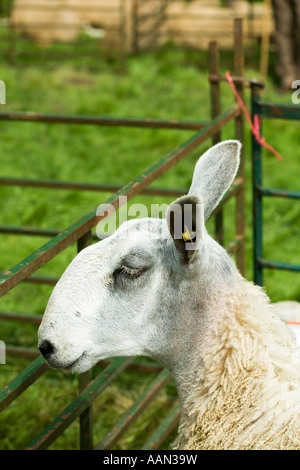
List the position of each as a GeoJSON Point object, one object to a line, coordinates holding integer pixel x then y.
{"type": "Point", "coordinates": [71, 366]}
{"type": "Point", "coordinates": [67, 367]}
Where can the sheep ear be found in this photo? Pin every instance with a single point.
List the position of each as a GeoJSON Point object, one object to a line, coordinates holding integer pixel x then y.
{"type": "Point", "coordinates": [214, 173]}
{"type": "Point", "coordinates": [185, 218]}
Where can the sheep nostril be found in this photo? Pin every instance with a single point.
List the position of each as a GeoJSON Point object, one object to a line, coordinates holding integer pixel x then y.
{"type": "Point", "coordinates": [46, 349]}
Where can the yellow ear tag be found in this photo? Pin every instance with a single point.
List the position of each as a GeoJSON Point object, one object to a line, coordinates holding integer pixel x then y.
{"type": "Point", "coordinates": [186, 235]}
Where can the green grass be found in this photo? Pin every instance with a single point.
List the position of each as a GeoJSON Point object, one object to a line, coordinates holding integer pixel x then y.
{"type": "Point", "coordinates": [170, 83]}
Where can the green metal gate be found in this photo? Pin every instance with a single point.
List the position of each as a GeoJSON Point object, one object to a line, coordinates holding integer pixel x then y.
{"type": "Point", "coordinates": [266, 111]}
{"type": "Point", "coordinates": [81, 233]}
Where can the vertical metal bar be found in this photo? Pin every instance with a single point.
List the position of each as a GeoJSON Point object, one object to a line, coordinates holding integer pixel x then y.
{"type": "Point", "coordinates": [86, 417]}
{"type": "Point", "coordinates": [239, 134]}
{"type": "Point", "coordinates": [214, 85]}
{"type": "Point", "coordinates": [215, 109]}
{"type": "Point", "coordinates": [257, 209]}
{"type": "Point", "coordinates": [12, 44]}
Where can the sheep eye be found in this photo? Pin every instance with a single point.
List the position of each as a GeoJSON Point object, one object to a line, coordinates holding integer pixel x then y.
{"type": "Point", "coordinates": [131, 273]}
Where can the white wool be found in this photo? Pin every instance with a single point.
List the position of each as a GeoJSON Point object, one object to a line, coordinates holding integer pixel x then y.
{"type": "Point", "coordinates": [247, 394]}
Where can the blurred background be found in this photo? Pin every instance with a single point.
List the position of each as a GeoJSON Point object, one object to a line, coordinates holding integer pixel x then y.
{"type": "Point", "coordinates": [89, 28]}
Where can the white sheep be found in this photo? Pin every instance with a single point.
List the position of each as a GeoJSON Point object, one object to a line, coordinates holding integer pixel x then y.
{"type": "Point", "coordinates": [164, 288]}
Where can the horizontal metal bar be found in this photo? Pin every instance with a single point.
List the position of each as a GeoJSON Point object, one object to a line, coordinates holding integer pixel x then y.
{"type": "Point", "coordinates": [54, 184]}
{"type": "Point", "coordinates": [39, 232]}
{"type": "Point", "coordinates": [77, 406]}
{"type": "Point", "coordinates": [278, 192]}
{"type": "Point", "coordinates": [24, 318]}
{"type": "Point", "coordinates": [277, 110]}
{"type": "Point", "coordinates": [134, 411]}
{"type": "Point", "coordinates": [102, 120]}
{"type": "Point", "coordinates": [53, 247]}
{"type": "Point", "coordinates": [168, 424]}
{"type": "Point", "coordinates": [278, 265]}
{"type": "Point", "coordinates": [20, 383]}
{"type": "Point", "coordinates": [50, 280]}
{"type": "Point", "coordinates": [22, 351]}
{"type": "Point", "coordinates": [213, 78]}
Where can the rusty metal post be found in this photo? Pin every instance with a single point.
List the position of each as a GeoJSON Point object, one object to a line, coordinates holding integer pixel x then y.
{"type": "Point", "coordinates": [239, 134]}
{"type": "Point", "coordinates": [215, 110]}
{"type": "Point", "coordinates": [12, 44]}
{"type": "Point", "coordinates": [86, 417]}
{"type": "Point", "coordinates": [257, 207]}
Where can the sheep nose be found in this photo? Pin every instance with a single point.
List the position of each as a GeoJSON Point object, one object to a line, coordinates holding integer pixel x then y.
{"type": "Point", "coordinates": [46, 349]}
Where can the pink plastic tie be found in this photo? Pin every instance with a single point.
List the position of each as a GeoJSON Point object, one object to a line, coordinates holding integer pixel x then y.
{"type": "Point", "coordinates": [255, 125]}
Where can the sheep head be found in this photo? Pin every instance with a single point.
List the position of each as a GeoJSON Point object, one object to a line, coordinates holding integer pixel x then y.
{"type": "Point", "coordinates": [143, 290]}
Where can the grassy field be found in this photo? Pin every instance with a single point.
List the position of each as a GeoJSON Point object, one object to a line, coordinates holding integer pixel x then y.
{"type": "Point", "coordinates": [169, 83]}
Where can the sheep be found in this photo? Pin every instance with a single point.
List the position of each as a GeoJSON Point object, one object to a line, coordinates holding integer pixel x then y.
{"type": "Point", "coordinates": [164, 288]}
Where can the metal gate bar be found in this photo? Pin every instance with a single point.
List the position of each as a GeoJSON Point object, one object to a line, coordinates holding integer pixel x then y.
{"type": "Point", "coordinates": [18, 385]}
{"type": "Point", "coordinates": [76, 186]}
{"type": "Point", "coordinates": [158, 437]}
{"type": "Point", "coordinates": [102, 120]}
{"type": "Point", "coordinates": [134, 411]}
{"type": "Point", "coordinates": [267, 111]}
{"type": "Point", "coordinates": [77, 406]}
